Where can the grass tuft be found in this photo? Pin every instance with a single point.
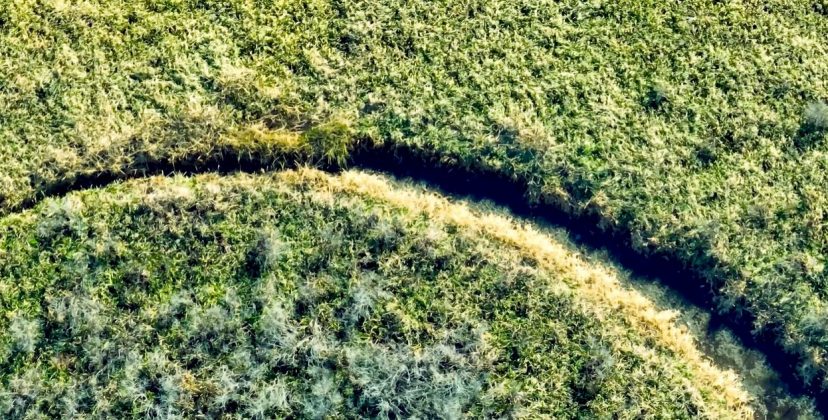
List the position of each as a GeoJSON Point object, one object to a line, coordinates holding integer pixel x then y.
{"type": "Point", "coordinates": [331, 141]}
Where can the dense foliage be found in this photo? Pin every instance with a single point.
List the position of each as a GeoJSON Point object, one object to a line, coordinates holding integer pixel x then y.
{"type": "Point", "coordinates": [696, 128]}
{"type": "Point", "coordinates": [299, 295]}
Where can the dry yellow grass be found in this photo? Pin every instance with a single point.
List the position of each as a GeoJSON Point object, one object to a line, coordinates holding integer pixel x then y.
{"type": "Point", "coordinates": [601, 288]}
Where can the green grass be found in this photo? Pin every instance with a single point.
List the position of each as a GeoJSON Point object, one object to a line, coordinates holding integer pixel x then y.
{"type": "Point", "coordinates": [304, 295]}
{"type": "Point", "coordinates": [696, 128]}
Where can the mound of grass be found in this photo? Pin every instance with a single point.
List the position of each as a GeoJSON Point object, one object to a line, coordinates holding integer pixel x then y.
{"type": "Point", "coordinates": [301, 294]}
{"type": "Point", "coordinates": [686, 126]}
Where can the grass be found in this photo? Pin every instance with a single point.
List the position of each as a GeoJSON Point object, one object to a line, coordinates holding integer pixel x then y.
{"type": "Point", "coordinates": [302, 294]}
{"type": "Point", "coordinates": [694, 128]}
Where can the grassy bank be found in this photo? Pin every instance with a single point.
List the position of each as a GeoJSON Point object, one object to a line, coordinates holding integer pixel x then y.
{"type": "Point", "coordinates": [305, 294]}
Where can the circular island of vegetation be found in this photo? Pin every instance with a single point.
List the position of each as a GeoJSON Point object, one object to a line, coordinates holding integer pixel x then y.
{"type": "Point", "coordinates": [310, 295]}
